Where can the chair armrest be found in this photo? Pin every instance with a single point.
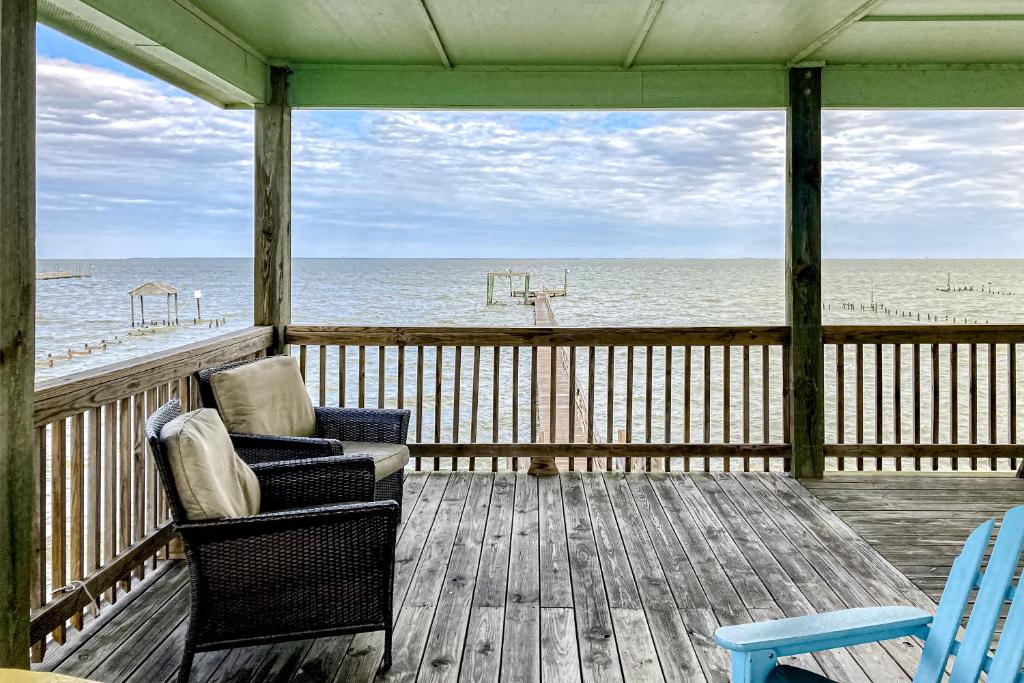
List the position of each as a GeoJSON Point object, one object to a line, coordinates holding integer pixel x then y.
{"type": "Point", "coordinates": [363, 424]}
{"type": "Point", "coordinates": [315, 481]}
{"type": "Point", "coordinates": [265, 523]}
{"type": "Point", "coordinates": [255, 448]}
{"type": "Point", "coordinates": [815, 632]}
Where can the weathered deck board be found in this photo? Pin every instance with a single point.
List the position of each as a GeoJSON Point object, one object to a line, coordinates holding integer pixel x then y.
{"type": "Point", "coordinates": [918, 523]}
{"type": "Point", "coordinates": [583, 577]}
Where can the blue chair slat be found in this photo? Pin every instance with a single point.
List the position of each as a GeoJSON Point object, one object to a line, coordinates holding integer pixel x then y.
{"type": "Point", "coordinates": [1009, 656]}
{"type": "Point", "coordinates": [952, 604]}
{"type": "Point", "coordinates": [1002, 565]}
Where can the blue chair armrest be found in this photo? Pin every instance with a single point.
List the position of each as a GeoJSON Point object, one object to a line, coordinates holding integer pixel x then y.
{"type": "Point", "coordinates": [815, 632]}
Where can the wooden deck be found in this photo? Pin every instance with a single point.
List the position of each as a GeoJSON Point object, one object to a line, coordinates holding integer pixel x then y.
{"type": "Point", "coordinates": [919, 522]}
{"type": "Point", "coordinates": [593, 576]}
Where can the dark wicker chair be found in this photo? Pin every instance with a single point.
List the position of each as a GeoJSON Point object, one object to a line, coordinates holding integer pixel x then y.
{"type": "Point", "coordinates": [312, 563]}
{"type": "Point", "coordinates": [333, 425]}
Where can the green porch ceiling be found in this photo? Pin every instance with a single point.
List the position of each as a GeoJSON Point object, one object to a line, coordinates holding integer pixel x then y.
{"type": "Point", "coordinates": [570, 54]}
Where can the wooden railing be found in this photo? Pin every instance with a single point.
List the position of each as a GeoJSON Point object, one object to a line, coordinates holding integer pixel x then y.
{"type": "Point", "coordinates": [922, 397]}
{"type": "Point", "coordinates": [100, 515]}
{"type": "Point", "coordinates": [673, 398]}
{"type": "Point", "coordinates": [692, 398]}
{"type": "Point", "coordinates": [896, 397]}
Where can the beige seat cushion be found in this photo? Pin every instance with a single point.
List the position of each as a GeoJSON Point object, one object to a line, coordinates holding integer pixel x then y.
{"type": "Point", "coordinates": [211, 480]}
{"type": "Point", "coordinates": [388, 458]}
{"type": "Point", "coordinates": [265, 397]}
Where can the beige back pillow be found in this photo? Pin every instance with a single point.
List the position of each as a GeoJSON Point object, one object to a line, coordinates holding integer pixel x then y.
{"type": "Point", "coordinates": [265, 397]}
{"type": "Point", "coordinates": [212, 481]}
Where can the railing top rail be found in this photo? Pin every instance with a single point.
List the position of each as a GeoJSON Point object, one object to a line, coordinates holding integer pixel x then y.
{"type": "Point", "coordinates": [537, 336]}
{"type": "Point", "coordinates": [923, 334]}
{"type": "Point", "coordinates": [65, 396]}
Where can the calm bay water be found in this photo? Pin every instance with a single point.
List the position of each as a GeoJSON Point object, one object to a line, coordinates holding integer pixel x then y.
{"type": "Point", "coordinates": [71, 313]}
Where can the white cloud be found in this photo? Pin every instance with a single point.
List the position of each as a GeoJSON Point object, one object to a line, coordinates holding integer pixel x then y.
{"type": "Point", "coordinates": [152, 171]}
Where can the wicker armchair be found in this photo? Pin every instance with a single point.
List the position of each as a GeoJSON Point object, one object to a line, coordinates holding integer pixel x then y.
{"type": "Point", "coordinates": [333, 425]}
{"type": "Point", "coordinates": [312, 563]}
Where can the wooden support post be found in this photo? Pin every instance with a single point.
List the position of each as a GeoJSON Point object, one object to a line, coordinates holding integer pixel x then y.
{"type": "Point", "coordinates": [273, 229]}
{"type": "Point", "coordinates": [803, 271]}
{"type": "Point", "coordinates": [17, 322]}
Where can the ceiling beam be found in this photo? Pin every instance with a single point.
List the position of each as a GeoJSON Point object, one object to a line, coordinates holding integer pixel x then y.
{"type": "Point", "coordinates": [926, 86]}
{"type": "Point", "coordinates": [641, 34]}
{"type": "Point", "coordinates": [944, 17]}
{"type": "Point", "coordinates": [170, 40]}
{"type": "Point", "coordinates": [435, 37]}
{"type": "Point", "coordinates": [721, 87]}
{"type": "Point", "coordinates": [852, 18]}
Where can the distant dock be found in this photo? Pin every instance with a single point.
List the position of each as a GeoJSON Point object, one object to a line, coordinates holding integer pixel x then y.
{"type": "Point", "coordinates": [60, 275]}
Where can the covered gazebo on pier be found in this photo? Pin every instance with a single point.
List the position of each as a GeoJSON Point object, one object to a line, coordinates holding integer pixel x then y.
{"type": "Point", "coordinates": [622, 567]}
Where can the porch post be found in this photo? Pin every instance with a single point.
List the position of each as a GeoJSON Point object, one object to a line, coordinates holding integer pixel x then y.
{"type": "Point", "coordinates": [803, 272]}
{"type": "Point", "coordinates": [272, 264]}
{"type": "Point", "coordinates": [17, 321]}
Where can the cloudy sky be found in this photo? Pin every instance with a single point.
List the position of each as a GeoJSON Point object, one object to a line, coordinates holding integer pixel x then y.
{"type": "Point", "coordinates": [130, 166]}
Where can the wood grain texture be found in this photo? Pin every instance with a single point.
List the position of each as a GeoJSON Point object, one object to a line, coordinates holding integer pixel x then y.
{"type": "Point", "coordinates": [803, 271]}
{"type": "Point", "coordinates": [678, 556]}
{"type": "Point", "coordinates": [17, 310]}
{"type": "Point", "coordinates": [536, 336]}
{"type": "Point", "coordinates": [272, 268]}
{"type": "Point", "coordinates": [65, 396]}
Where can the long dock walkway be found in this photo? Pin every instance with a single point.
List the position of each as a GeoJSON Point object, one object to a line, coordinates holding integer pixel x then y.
{"type": "Point", "coordinates": [569, 407]}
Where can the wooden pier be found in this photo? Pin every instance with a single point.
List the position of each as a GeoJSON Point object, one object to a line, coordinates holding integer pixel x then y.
{"type": "Point", "coordinates": [60, 275]}
{"type": "Point", "coordinates": [557, 394]}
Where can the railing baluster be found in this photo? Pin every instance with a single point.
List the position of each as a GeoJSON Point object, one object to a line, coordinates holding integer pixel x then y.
{"type": "Point", "coordinates": [515, 403]}
{"type": "Point", "coordinates": [139, 448]}
{"type": "Point", "coordinates": [552, 395]}
{"type": "Point", "coordinates": [93, 557]}
{"type": "Point", "coordinates": [707, 404]}
{"type": "Point", "coordinates": [611, 403]}
{"type": "Point", "coordinates": [76, 546]}
{"type": "Point", "coordinates": [381, 376]}
{"type": "Point", "coordinates": [342, 375]}
{"type": "Point", "coordinates": [124, 472]}
{"type": "Point", "coordinates": [38, 596]}
{"type": "Point", "coordinates": [936, 381]}
{"type": "Point", "coordinates": [917, 398]}
{"type": "Point", "coordinates": [475, 407]}
{"type": "Point", "coordinates": [400, 390]}
{"type": "Point", "coordinates": [973, 400]}
{"type": "Point", "coordinates": [572, 401]}
{"type": "Point", "coordinates": [591, 369]}
{"type": "Point", "coordinates": [668, 404]}
{"type": "Point", "coordinates": [419, 402]}
{"type": "Point", "coordinates": [110, 488]}
{"type": "Point", "coordinates": [954, 402]}
{"type": "Point", "coordinates": [302, 361]}
{"type": "Point", "coordinates": [687, 372]}
{"type": "Point", "coordinates": [648, 392]}
{"type": "Point", "coordinates": [1011, 383]}
{"type": "Point", "coordinates": [859, 368]}
{"type": "Point", "coordinates": [746, 404]}
{"type": "Point", "coordinates": [629, 403]}
{"type": "Point", "coordinates": [362, 376]}
{"type": "Point", "coordinates": [495, 404]}
{"type": "Point", "coordinates": [879, 407]}
{"type": "Point", "coordinates": [726, 403]}
{"type": "Point", "coordinates": [58, 513]}
{"type": "Point", "coordinates": [438, 378]}
{"type": "Point", "coordinates": [766, 401]}
{"type": "Point", "coordinates": [456, 401]}
{"type": "Point", "coordinates": [323, 375]}
{"type": "Point", "coordinates": [840, 402]}
{"type": "Point", "coordinates": [897, 426]}
{"type": "Point", "coordinates": [992, 413]}
{"type": "Point", "coordinates": [533, 395]}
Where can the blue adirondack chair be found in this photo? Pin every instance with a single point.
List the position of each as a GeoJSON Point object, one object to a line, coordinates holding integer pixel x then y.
{"type": "Point", "coordinates": [756, 647]}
